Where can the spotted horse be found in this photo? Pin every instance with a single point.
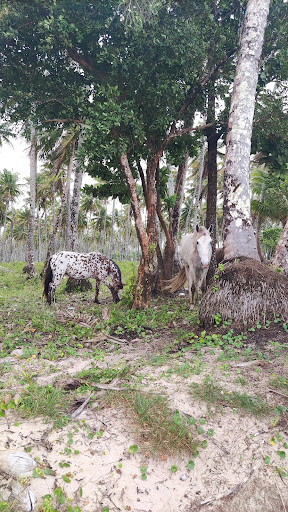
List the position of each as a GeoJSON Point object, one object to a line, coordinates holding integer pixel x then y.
{"type": "Point", "coordinates": [82, 266]}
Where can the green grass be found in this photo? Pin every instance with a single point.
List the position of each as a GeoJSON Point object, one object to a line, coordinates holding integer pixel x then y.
{"type": "Point", "coordinates": [44, 401]}
{"type": "Point", "coordinates": [157, 427]}
{"type": "Point", "coordinates": [214, 394]}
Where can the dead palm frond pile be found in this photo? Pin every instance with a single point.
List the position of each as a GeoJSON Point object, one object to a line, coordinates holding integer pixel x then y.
{"type": "Point", "coordinates": [246, 292]}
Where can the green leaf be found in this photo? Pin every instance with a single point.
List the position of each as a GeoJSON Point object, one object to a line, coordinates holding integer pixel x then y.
{"type": "Point", "coordinates": [267, 459]}
{"type": "Point", "coordinates": [281, 454]}
{"type": "Point", "coordinates": [66, 479]}
{"type": "Point", "coordinates": [133, 449]}
{"type": "Point", "coordinates": [210, 432]}
{"type": "Point", "coordinates": [191, 464]}
{"type": "Point", "coordinates": [174, 469]}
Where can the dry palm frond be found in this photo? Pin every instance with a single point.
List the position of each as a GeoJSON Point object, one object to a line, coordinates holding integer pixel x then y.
{"type": "Point", "coordinates": [247, 292]}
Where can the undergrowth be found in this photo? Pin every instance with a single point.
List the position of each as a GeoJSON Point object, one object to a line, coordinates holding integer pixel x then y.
{"type": "Point", "coordinates": [157, 427]}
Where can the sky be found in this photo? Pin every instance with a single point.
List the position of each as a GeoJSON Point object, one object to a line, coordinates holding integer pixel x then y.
{"type": "Point", "coordinates": [15, 157]}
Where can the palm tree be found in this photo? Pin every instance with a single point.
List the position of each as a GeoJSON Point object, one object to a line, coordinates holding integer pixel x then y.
{"type": "Point", "coordinates": [270, 198]}
{"type": "Point", "coordinates": [9, 191]}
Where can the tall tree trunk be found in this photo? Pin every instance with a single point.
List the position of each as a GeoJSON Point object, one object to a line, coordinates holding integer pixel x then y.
{"type": "Point", "coordinates": [128, 234]}
{"type": "Point", "coordinates": [239, 238]}
{"type": "Point", "coordinates": [68, 241]}
{"type": "Point", "coordinates": [52, 243]}
{"type": "Point", "coordinates": [142, 293]}
{"type": "Point", "coordinates": [199, 183]}
{"type": "Point", "coordinates": [75, 205]}
{"type": "Point", "coordinates": [112, 230]}
{"type": "Point", "coordinates": [103, 231]}
{"type": "Point", "coordinates": [30, 267]}
{"type": "Point", "coordinates": [4, 230]}
{"type": "Point", "coordinates": [211, 212]}
{"type": "Point", "coordinates": [279, 259]}
{"type": "Point", "coordinates": [171, 262]}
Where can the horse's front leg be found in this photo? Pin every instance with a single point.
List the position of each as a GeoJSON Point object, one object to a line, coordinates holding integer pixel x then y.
{"type": "Point", "coordinates": [96, 300]}
{"type": "Point", "coordinates": [114, 293]}
{"type": "Point", "coordinates": [190, 281]}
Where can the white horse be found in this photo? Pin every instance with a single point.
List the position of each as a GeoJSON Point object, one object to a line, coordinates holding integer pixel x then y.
{"type": "Point", "coordinates": [195, 252]}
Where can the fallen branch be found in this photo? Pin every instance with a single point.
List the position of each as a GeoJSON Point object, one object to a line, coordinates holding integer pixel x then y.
{"type": "Point", "coordinates": [116, 340]}
{"type": "Point", "coordinates": [108, 387]}
{"type": "Point", "coordinates": [80, 409]}
{"type": "Point", "coordinates": [284, 508]}
{"type": "Point", "coordinates": [278, 393]}
{"type": "Point", "coordinates": [224, 494]}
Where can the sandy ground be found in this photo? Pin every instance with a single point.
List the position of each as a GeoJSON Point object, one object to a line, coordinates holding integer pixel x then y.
{"type": "Point", "coordinates": [229, 475]}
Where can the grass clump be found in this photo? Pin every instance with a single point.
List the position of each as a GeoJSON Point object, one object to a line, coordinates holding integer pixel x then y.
{"type": "Point", "coordinates": [162, 429]}
{"type": "Point", "coordinates": [44, 401]}
{"type": "Point", "coordinates": [279, 382]}
{"type": "Point", "coordinates": [212, 393]}
{"type": "Point", "coordinates": [104, 375]}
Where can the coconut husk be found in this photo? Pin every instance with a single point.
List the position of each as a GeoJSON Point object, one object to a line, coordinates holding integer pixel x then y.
{"type": "Point", "coordinates": [246, 292]}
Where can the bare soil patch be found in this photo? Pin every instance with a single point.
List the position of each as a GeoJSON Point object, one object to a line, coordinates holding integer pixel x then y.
{"type": "Point", "coordinates": [239, 467]}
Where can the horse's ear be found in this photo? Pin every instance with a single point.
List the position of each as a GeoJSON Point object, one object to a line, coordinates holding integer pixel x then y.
{"type": "Point", "coordinates": [197, 227]}
{"type": "Point", "coordinates": [210, 229]}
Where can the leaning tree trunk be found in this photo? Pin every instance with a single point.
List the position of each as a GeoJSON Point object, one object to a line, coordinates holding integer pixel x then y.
{"type": "Point", "coordinates": [30, 267]}
{"type": "Point", "coordinates": [142, 292]}
{"type": "Point", "coordinates": [239, 238]}
{"type": "Point", "coordinates": [279, 259]}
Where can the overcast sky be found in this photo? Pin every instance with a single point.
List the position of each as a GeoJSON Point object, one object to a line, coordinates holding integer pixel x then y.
{"type": "Point", "coordinates": [15, 158]}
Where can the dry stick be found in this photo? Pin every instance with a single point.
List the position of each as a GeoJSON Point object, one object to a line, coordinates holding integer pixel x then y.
{"type": "Point", "coordinates": [116, 340]}
{"type": "Point", "coordinates": [284, 508]}
{"type": "Point", "coordinates": [80, 409]}
{"type": "Point", "coordinates": [227, 493]}
{"type": "Point", "coordinates": [278, 393]}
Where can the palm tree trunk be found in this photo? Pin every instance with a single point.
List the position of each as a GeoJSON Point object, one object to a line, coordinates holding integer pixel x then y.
{"type": "Point", "coordinates": [52, 243]}
{"type": "Point", "coordinates": [30, 267]}
{"type": "Point", "coordinates": [68, 243]}
{"type": "Point", "coordinates": [75, 205]}
{"type": "Point", "coordinates": [239, 238]}
{"type": "Point", "coordinates": [112, 230]}
{"type": "Point", "coordinates": [279, 259]}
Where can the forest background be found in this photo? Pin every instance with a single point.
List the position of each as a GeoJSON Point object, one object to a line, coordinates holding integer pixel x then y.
{"type": "Point", "coordinates": [137, 95]}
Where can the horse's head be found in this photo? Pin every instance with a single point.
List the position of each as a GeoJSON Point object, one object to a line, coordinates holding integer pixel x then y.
{"type": "Point", "coordinates": [204, 245]}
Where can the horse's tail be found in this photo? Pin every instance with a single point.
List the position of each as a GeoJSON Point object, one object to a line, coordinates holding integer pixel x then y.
{"type": "Point", "coordinates": [176, 282]}
{"type": "Point", "coordinates": [47, 280]}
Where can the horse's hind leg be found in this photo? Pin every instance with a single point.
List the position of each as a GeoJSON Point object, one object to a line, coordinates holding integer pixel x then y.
{"type": "Point", "coordinates": [96, 300]}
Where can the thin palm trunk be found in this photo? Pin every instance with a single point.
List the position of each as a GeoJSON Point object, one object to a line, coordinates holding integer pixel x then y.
{"type": "Point", "coordinates": [52, 243]}
{"type": "Point", "coordinates": [30, 267]}
{"type": "Point", "coordinates": [112, 230]}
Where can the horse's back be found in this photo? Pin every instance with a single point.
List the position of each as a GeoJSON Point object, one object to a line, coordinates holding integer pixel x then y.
{"type": "Point", "coordinates": [187, 247]}
{"type": "Point", "coordinates": [80, 265]}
